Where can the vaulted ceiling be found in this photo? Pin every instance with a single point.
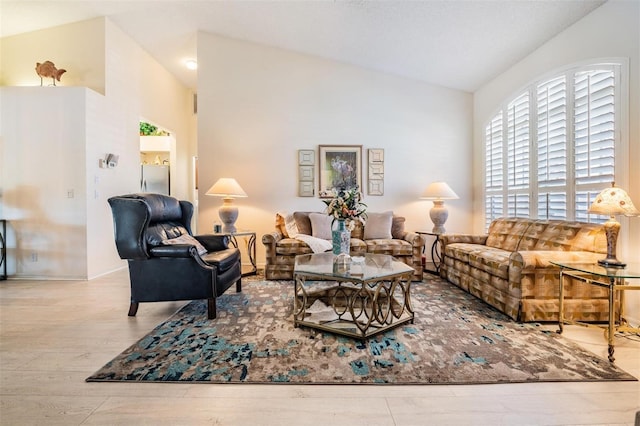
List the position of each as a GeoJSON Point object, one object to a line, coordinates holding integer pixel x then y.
{"type": "Point", "coordinates": [461, 44]}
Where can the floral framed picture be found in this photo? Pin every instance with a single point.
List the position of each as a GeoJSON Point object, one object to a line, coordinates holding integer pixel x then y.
{"type": "Point", "coordinates": [340, 166]}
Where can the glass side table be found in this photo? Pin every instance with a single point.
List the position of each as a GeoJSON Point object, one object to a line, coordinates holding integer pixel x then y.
{"type": "Point", "coordinates": [436, 252]}
{"type": "Point", "coordinates": [250, 244]}
{"type": "Point", "coordinates": [615, 281]}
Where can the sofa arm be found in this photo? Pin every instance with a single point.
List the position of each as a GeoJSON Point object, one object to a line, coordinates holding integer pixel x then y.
{"type": "Point", "coordinates": [527, 261]}
{"type": "Point", "coordinates": [414, 239]}
{"type": "Point", "coordinates": [462, 238]}
{"type": "Point", "coordinates": [270, 240]}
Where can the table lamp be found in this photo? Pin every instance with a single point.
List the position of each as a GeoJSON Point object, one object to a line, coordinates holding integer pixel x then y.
{"type": "Point", "coordinates": [229, 189]}
{"type": "Point", "coordinates": [438, 192]}
{"type": "Point", "coordinates": [610, 202]}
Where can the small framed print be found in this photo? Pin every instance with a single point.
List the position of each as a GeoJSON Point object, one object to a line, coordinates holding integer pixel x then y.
{"type": "Point", "coordinates": [340, 166]}
{"type": "Point", "coordinates": [376, 187]}
{"type": "Point", "coordinates": [306, 157]}
{"type": "Point", "coordinates": [376, 171]}
{"type": "Point", "coordinates": [305, 173]}
{"type": "Point", "coordinates": [376, 155]}
{"type": "Point", "coordinates": [306, 189]}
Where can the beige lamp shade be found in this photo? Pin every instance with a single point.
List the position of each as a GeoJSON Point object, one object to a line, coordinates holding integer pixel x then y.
{"type": "Point", "coordinates": [610, 202]}
{"type": "Point", "coordinates": [439, 191]}
{"type": "Point", "coordinates": [229, 189]}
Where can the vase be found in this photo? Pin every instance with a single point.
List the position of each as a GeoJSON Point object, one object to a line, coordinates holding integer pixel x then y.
{"type": "Point", "coordinates": [341, 238]}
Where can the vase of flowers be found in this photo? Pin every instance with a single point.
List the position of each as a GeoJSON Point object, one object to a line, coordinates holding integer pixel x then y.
{"type": "Point", "coordinates": [346, 208]}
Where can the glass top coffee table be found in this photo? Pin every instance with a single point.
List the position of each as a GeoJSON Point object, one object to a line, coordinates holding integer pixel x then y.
{"type": "Point", "coordinates": [371, 295]}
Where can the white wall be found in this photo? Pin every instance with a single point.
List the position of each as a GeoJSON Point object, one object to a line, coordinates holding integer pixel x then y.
{"type": "Point", "coordinates": [44, 123]}
{"type": "Point", "coordinates": [43, 171]}
{"type": "Point", "coordinates": [258, 105]}
{"type": "Point", "coordinates": [612, 30]}
{"type": "Point", "coordinates": [82, 56]}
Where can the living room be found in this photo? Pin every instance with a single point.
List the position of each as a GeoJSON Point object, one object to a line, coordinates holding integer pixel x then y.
{"type": "Point", "coordinates": [262, 104]}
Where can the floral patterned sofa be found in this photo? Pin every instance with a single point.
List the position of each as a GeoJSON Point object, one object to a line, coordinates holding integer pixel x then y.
{"type": "Point", "coordinates": [509, 267]}
{"type": "Point", "coordinates": [281, 248]}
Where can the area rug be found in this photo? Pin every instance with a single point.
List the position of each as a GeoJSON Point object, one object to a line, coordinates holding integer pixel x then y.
{"type": "Point", "coordinates": [455, 339]}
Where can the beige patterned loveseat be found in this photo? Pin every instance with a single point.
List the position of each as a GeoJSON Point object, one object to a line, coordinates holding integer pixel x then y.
{"type": "Point", "coordinates": [281, 250]}
{"type": "Point", "coordinates": [509, 268]}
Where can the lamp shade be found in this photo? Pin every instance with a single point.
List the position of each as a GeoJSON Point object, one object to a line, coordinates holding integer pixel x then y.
{"type": "Point", "coordinates": [613, 201]}
{"type": "Point", "coordinates": [226, 187]}
{"type": "Point", "coordinates": [439, 191]}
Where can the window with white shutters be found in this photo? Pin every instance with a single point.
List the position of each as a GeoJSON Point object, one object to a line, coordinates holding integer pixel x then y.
{"type": "Point", "coordinates": [552, 148]}
{"type": "Point", "coordinates": [494, 165]}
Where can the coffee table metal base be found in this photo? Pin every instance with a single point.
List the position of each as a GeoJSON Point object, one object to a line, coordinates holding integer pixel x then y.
{"type": "Point", "coordinates": [352, 307]}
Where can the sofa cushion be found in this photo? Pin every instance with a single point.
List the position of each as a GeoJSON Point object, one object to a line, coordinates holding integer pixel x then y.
{"type": "Point", "coordinates": [565, 236]}
{"type": "Point", "coordinates": [321, 225]}
{"type": "Point", "coordinates": [358, 247]}
{"type": "Point", "coordinates": [506, 233]}
{"type": "Point", "coordinates": [378, 226]}
{"type": "Point", "coordinates": [460, 251]}
{"type": "Point", "coordinates": [492, 260]}
{"type": "Point", "coordinates": [390, 247]}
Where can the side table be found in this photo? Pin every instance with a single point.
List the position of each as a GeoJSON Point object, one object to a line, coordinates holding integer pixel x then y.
{"type": "Point", "coordinates": [436, 252]}
{"type": "Point", "coordinates": [615, 281]}
{"type": "Point", "coordinates": [250, 244]}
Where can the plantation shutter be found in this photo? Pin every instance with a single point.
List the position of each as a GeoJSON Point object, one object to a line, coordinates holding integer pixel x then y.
{"type": "Point", "coordinates": [493, 169]}
{"type": "Point", "coordinates": [518, 156]}
{"type": "Point", "coordinates": [551, 114]}
{"type": "Point", "coordinates": [594, 133]}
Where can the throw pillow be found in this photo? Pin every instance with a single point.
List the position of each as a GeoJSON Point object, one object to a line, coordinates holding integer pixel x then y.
{"type": "Point", "coordinates": [286, 224]}
{"type": "Point", "coordinates": [302, 222]}
{"type": "Point", "coordinates": [378, 226]}
{"type": "Point", "coordinates": [186, 239]}
{"type": "Point", "coordinates": [321, 225]}
{"type": "Point", "coordinates": [290, 226]}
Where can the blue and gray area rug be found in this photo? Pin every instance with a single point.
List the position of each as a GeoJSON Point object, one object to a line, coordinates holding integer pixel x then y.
{"type": "Point", "coordinates": [456, 339]}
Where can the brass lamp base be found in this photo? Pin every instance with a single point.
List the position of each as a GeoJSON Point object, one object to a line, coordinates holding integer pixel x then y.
{"type": "Point", "coordinates": [611, 263]}
{"type": "Point", "coordinates": [611, 230]}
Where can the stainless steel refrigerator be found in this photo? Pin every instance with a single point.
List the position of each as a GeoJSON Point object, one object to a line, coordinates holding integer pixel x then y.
{"type": "Point", "coordinates": [155, 178]}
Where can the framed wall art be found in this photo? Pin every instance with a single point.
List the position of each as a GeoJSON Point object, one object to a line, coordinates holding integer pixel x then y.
{"type": "Point", "coordinates": [340, 166]}
{"type": "Point", "coordinates": [376, 172]}
{"type": "Point", "coordinates": [306, 172]}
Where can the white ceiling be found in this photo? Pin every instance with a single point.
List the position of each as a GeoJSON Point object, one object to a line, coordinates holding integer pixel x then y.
{"type": "Point", "coordinates": [460, 44]}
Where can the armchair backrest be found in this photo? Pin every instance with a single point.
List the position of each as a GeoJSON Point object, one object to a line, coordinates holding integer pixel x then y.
{"type": "Point", "coordinates": [143, 220]}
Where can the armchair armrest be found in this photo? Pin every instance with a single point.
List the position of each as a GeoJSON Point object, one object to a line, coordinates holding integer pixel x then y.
{"type": "Point", "coordinates": [176, 250]}
{"type": "Point", "coordinates": [272, 237]}
{"type": "Point", "coordinates": [213, 242]}
{"type": "Point", "coordinates": [416, 240]}
{"type": "Point", "coordinates": [269, 240]}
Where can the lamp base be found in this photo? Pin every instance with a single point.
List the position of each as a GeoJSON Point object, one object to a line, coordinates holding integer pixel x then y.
{"type": "Point", "coordinates": [228, 214]}
{"type": "Point", "coordinates": [611, 230]}
{"type": "Point", "coordinates": [438, 215]}
{"type": "Point", "coordinates": [611, 263]}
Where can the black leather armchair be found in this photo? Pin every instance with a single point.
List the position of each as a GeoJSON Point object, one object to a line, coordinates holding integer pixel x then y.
{"type": "Point", "coordinates": [159, 272]}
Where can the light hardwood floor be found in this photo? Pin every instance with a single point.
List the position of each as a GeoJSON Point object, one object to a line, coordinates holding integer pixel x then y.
{"type": "Point", "coordinates": [53, 334]}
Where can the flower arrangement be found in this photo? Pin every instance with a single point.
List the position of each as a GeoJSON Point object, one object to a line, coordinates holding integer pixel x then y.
{"type": "Point", "coordinates": [345, 205]}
